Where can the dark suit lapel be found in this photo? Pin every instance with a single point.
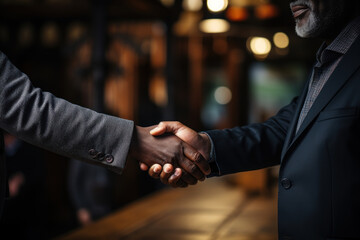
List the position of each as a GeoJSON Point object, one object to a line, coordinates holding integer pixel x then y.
{"type": "Point", "coordinates": [291, 131]}
{"type": "Point", "coordinates": [341, 74]}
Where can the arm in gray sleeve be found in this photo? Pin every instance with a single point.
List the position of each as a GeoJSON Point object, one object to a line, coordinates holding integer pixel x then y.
{"type": "Point", "coordinates": [59, 126]}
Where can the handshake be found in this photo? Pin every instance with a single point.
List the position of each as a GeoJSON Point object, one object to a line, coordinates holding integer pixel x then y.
{"type": "Point", "coordinates": [172, 152]}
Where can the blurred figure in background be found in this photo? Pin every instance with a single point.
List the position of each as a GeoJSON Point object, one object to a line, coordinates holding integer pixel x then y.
{"type": "Point", "coordinates": [90, 191]}
{"type": "Point", "coordinates": [25, 209]}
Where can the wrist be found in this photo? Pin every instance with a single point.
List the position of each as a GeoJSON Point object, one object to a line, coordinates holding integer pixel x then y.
{"type": "Point", "coordinates": [134, 144]}
{"type": "Point", "coordinates": [206, 146]}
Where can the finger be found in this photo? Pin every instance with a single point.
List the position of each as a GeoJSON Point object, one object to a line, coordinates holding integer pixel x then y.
{"type": "Point", "coordinates": [189, 179]}
{"type": "Point", "coordinates": [197, 158]}
{"type": "Point", "coordinates": [191, 169]}
{"type": "Point", "coordinates": [143, 167]}
{"type": "Point", "coordinates": [179, 184]}
{"type": "Point", "coordinates": [166, 173]}
{"type": "Point", "coordinates": [190, 164]}
{"type": "Point", "coordinates": [155, 171]}
{"type": "Point", "coordinates": [175, 177]}
{"type": "Point", "coordinates": [176, 181]}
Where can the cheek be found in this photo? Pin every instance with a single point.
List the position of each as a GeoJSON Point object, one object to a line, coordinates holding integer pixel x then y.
{"type": "Point", "coordinates": [318, 6]}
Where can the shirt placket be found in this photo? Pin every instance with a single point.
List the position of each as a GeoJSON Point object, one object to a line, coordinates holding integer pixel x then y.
{"type": "Point", "coordinates": [313, 92]}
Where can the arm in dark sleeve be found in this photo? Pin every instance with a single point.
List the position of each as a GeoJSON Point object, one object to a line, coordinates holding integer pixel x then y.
{"type": "Point", "coordinates": [251, 147]}
{"type": "Point", "coordinates": [59, 126]}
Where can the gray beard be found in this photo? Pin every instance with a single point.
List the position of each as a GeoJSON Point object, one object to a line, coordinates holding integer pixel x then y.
{"type": "Point", "coordinates": [312, 28]}
{"type": "Point", "coordinates": [317, 26]}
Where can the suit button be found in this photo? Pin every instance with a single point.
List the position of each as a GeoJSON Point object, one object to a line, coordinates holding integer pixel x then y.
{"type": "Point", "coordinates": [286, 183]}
{"type": "Point", "coordinates": [109, 158]}
{"type": "Point", "coordinates": [100, 156]}
{"type": "Point", "coordinates": [93, 153]}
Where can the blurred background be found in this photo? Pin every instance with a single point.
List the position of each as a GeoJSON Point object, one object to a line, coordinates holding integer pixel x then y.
{"type": "Point", "coordinates": [207, 63]}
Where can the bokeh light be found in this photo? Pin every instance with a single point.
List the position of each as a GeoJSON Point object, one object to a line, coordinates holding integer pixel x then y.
{"type": "Point", "coordinates": [260, 45]}
{"type": "Point", "coordinates": [217, 5]}
{"type": "Point", "coordinates": [214, 26]}
{"type": "Point", "coordinates": [223, 95]}
{"type": "Point", "coordinates": [281, 40]}
{"type": "Point", "coordinates": [192, 5]}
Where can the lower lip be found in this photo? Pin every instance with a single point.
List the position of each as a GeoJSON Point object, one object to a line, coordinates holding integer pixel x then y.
{"type": "Point", "coordinates": [300, 12]}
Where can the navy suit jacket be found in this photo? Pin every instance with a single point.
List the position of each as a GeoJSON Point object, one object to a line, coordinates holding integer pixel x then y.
{"type": "Point", "coordinates": [319, 178]}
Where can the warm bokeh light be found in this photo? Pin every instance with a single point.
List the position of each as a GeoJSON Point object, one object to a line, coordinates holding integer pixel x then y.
{"type": "Point", "coordinates": [281, 40]}
{"type": "Point", "coordinates": [192, 5]}
{"type": "Point", "coordinates": [237, 14]}
{"type": "Point", "coordinates": [223, 95]}
{"type": "Point", "coordinates": [248, 3]}
{"type": "Point", "coordinates": [217, 5]}
{"type": "Point", "coordinates": [157, 91]}
{"type": "Point", "coordinates": [260, 46]}
{"type": "Point", "coordinates": [50, 34]}
{"type": "Point", "coordinates": [214, 26]}
{"type": "Point", "coordinates": [26, 34]}
{"type": "Point", "coordinates": [168, 3]}
{"type": "Point", "coordinates": [266, 11]}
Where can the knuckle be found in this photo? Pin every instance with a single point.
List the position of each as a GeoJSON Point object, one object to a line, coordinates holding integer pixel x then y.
{"type": "Point", "coordinates": [193, 169]}
{"type": "Point", "coordinates": [197, 157]}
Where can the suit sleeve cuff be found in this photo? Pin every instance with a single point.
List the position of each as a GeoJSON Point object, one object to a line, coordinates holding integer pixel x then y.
{"type": "Point", "coordinates": [212, 160]}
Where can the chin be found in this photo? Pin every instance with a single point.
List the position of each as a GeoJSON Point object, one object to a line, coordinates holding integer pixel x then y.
{"type": "Point", "coordinates": [305, 33]}
{"type": "Point", "coordinates": [309, 27]}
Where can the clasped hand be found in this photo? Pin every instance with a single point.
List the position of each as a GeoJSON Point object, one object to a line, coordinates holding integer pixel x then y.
{"type": "Point", "coordinates": [172, 152]}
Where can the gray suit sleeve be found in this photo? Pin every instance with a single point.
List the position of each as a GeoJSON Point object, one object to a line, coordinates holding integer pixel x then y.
{"type": "Point", "coordinates": [59, 126]}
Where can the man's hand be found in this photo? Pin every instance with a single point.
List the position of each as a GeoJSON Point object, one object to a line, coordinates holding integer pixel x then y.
{"type": "Point", "coordinates": [171, 150]}
{"type": "Point", "coordinates": [199, 141]}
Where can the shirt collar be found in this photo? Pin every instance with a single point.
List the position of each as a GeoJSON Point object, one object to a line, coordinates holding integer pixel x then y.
{"type": "Point", "coordinates": [341, 44]}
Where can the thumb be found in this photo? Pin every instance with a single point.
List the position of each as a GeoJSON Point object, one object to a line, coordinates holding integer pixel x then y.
{"type": "Point", "coordinates": [180, 130]}
{"type": "Point", "coordinates": [158, 130]}
{"type": "Point", "coordinates": [165, 127]}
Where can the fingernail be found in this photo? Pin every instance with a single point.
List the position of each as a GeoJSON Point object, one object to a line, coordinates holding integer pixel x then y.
{"type": "Point", "coordinates": [157, 169]}
{"type": "Point", "coordinates": [167, 168]}
{"type": "Point", "coordinates": [177, 172]}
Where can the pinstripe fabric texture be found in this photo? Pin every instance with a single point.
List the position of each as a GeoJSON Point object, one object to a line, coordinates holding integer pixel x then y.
{"type": "Point", "coordinates": [328, 58]}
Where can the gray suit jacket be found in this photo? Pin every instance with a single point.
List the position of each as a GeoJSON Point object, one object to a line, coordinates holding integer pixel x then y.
{"type": "Point", "coordinates": [56, 125]}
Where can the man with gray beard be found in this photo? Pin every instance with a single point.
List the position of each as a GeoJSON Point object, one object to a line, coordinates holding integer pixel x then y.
{"type": "Point", "coordinates": [315, 139]}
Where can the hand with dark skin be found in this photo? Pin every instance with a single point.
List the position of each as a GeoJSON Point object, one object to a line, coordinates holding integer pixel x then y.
{"type": "Point", "coordinates": [199, 141]}
{"type": "Point", "coordinates": [171, 151]}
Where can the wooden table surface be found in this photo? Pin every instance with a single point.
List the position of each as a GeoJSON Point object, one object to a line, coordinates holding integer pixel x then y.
{"type": "Point", "coordinates": [211, 210]}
